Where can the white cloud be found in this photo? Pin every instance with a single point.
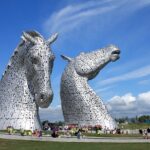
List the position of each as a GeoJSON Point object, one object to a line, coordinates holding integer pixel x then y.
{"type": "Point", "coordinates": [118, 106]}
{"type": "Point", "coordinates": [129, 105]}
{"type": "Point", "coordinates": [142, 72]}
{"type": "Point", "coordinates": [144, 98]}
{"type": "Point", "coordinates": [51, 113]}
{"type": "Point", "coordinates": [70, 16]}
{"type": "Point", "coordinates": [99, 90]}
{"type": "Point", "coordinates": [144, 82]}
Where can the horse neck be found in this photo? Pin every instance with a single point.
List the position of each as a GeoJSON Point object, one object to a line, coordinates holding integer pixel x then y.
{"type": "Point", "coordinates": [78, 82]}
{"type": "Point", "coordinates": [14, 82]}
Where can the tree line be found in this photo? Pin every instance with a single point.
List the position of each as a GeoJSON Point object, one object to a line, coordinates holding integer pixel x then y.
{"type": "Point", "coordinates": [137, 119]}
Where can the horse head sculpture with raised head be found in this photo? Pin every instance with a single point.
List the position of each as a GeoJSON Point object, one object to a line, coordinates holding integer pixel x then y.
{"type": "Point", "coordinates": [80, 104]}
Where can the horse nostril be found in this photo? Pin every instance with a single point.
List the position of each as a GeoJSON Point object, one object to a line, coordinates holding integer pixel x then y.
{"type": "Point", "coordinates": [42, 96]}
{"type": "Point", "coordinates": [46, 96]}
{"type": "Point", "coordinates": [44, 99]}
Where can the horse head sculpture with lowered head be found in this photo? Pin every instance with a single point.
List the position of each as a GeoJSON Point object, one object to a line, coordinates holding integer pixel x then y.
{"type": "Point", "coordinates": [25, 85]}
{"type": "Point", "coordinates": [39, 63]}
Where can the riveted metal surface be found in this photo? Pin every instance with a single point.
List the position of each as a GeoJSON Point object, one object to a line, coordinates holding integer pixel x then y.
{"type": "Point", "coordinates": [25, 85]}
{"type": "Point", "coordinates": [80, 104]}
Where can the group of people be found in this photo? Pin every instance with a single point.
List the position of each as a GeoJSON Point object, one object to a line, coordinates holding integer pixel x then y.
{"type": "Point", "coordinates": [145, 133]}
{"type": "Point", "coordinates": [37, 133]}
{"type": "Point", "coordinates": [78, 133]}
{"type": "Point", "coordinates": [55, 134]}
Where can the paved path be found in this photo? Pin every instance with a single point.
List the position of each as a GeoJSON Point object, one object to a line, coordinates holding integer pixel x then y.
{"type": "Point", "coordinates": [73, 139]}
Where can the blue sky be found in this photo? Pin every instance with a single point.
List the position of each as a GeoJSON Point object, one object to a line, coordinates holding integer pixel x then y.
{"type": "Point", "coordinates": [86, 25]}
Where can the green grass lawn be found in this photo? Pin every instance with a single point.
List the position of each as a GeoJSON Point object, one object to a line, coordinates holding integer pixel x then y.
{"type": "Point", "coordinates": [134, 126]}
{"type": "Point", "coordinates": [36, 145]}
{"type": "Point", "coordinates": [113, 135]}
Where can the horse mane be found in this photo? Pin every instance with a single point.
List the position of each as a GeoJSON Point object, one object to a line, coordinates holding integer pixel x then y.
{"type": "Point", "coordinates": [12, 58]}
{"type": "Point", "coordinates": [34, 34]}
{"type": "Point", "coordinates": [20, 45]}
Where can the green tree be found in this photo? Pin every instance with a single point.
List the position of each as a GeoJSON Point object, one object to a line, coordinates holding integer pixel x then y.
{"type": "Point", "coordinates": [144, 118]}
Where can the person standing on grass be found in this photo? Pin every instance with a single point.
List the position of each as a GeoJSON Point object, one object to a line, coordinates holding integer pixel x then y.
{"type": "Point", "coordinates": [79, 134]}
{"type": "Point", "coordinates": [148, 133]}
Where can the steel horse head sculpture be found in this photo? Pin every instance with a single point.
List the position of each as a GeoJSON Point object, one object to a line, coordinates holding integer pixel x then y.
{"type": "Point", "coordinates": [80, 104]}
{"type": "Point", "coordinates": [25, 85]}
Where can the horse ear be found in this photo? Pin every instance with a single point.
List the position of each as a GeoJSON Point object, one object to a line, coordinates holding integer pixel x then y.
{"type": "Point", "coordinates": [52, 38]}
{"type": "Point", "coordinates": [27, 37]}
{"type": "Point", "coordinates": [66, 58]}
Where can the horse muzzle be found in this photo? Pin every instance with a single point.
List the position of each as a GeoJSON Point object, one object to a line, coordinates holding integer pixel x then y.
{"type": "Point", "coordinates": [44, 99]}
{"type": "Point", "coordinates": [115, 55]}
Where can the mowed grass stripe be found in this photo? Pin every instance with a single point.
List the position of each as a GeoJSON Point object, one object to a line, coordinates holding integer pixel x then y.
{"type": "Point", "coordinates": [41, 145]}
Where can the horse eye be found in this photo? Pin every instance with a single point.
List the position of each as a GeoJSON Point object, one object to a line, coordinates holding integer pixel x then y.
{"type": "Point", "coordinates": [52, 58]}
{"type": "Point", "coordinates": [34, 60]}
